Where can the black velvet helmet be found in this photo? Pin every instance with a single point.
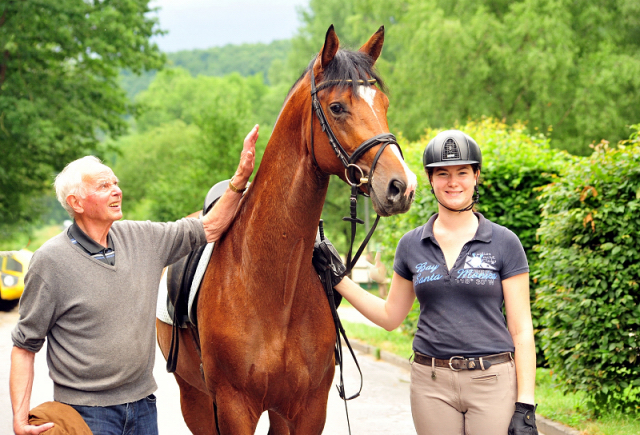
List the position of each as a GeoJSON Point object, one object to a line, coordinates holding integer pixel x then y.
{"type": "Point", "coordinates": [451, 147]}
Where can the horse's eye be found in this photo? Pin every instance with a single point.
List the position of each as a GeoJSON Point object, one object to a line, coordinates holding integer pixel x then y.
{"type": "Point", "coordinates": [336, 108]}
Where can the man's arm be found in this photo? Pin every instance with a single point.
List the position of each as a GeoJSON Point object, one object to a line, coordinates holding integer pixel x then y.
{"type": "Point", "coordinates": [219, 218]}
{"type": "Point", "coordinates": [20, 385]}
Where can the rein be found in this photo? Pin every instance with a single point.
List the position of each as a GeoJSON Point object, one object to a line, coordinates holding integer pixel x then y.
{"type": "Point", "coordinates": [349, 162]}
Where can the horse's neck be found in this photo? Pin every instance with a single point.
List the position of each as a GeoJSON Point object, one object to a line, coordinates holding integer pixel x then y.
{"type": "Point", "coordinates": [289, 194]}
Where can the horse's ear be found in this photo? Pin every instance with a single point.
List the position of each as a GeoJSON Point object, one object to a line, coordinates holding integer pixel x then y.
{"type": "Point", "coordinates": [330, 47]}
{"type": "Point", "coordinates": [373, 47]}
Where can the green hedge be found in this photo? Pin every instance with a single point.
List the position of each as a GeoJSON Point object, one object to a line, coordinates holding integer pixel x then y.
{"type": "Point", "coordinates": [515, 165]}
{"type": "Point", "coordinates": [589, 273]}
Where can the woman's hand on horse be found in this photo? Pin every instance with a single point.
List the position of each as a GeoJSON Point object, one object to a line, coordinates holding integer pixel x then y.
{"type": "Point", "coordinates": [247, 159]}
{"type": "Point", "coordinates": [327, 262]}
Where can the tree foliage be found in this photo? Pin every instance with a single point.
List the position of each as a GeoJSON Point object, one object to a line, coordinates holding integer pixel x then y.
{"type": "Point", "coordinates": [245, 59]}
{"type": "Point", "coordinates": [567, 69]}
{"type": "Point", "coordinates": [588, 274]}
{"type": "Point", "coordinates": [189, 135]}
{"type": "Point", "coordinates": [58, 87]}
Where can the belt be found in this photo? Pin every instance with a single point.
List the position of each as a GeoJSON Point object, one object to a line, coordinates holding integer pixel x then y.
{"type": "Point", "coordinates": [457, 363]}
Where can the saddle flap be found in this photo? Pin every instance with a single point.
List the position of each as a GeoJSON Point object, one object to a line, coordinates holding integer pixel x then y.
{"type": "Point", "coordinates": [180, 276]}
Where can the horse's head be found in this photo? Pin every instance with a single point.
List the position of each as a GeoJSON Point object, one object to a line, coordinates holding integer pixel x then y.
{"type": "Point", "coordinates": [349, 131]}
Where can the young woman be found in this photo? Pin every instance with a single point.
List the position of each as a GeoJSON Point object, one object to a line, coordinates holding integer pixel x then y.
{"type": "Point", "coordinates": [472, 373]}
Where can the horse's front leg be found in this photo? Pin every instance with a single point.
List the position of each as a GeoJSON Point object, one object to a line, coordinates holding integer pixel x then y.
{"type": "Point", "coordinates": [197, 409]}
{"type": "Point", "coordinates": [236, 413]}
{"type": "Point", "coordinates": [311, 419]}
{"type": "Point", "coordinates": [277, 424]}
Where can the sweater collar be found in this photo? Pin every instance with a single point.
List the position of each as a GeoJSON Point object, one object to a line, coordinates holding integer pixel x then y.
{"type": "Point", "coordinates": [89, 245]}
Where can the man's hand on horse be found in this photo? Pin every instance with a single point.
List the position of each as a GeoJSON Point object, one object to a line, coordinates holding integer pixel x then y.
{"type": "Point", "coordinates": [327, 262]}
{"type": "Point", "coordinates": [247, 160]}
{"type": "Point", "coordinates": [219, 218]}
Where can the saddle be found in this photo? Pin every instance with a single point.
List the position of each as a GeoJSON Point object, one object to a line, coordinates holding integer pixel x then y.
{"type": "Point", "coordinates": [181, 292]}
{"type": "Point", "coordinates": [183, 284]}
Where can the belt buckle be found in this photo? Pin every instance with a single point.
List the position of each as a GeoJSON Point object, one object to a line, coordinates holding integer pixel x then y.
{"type": "Point", "coordinates": [451, 361]}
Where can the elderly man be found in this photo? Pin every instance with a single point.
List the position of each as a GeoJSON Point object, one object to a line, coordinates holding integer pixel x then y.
{"type": "Point", "coordinates": [92, 291]}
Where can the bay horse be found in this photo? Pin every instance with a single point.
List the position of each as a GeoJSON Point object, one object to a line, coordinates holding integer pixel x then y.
{"type": "Point", "coordinates": [265, 329]}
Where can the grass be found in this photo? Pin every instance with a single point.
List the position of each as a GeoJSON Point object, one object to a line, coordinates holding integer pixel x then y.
{"type": "Point", "coordinates": [394, 342]}
{"type": "Point", "coordinates": [569, 409]}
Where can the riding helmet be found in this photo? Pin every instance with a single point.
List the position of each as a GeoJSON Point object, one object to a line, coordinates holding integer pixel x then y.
{"type": "Point", "coordinates": [451, 147]}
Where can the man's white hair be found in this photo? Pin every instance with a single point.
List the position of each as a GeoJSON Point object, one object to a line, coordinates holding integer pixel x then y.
{"type": "Point", "coordinates": [71, 180]}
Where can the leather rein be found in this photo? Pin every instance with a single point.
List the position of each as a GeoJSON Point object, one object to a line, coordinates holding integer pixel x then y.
{"type": "Point", "coordinates": [349, 162]}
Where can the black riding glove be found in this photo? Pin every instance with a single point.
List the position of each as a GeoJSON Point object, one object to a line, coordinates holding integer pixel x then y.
{"type": "Point", "coordinates": [326, 259]}
{"type": "Point", "coordinates": [523, 421]}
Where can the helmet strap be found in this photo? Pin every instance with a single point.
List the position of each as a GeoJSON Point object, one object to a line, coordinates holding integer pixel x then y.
{"type": "Point", "coordinates": [475, 200]}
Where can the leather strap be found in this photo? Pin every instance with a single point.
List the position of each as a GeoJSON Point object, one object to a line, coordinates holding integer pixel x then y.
{"type": "Point", "coordinates": [460, 363]}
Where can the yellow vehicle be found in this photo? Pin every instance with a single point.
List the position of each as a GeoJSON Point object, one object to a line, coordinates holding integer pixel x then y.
{"type": "Point", "coordinates": [13, 267]}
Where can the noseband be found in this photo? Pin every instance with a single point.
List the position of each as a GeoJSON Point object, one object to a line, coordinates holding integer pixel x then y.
{"type": "Point", "coordinates": [349, 162]}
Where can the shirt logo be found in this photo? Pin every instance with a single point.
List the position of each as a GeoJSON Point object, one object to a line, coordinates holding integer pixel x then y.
{"type": "Point", "coordinates": [480, 261]}
{"type": "Point", "coordinates": [478, 269]}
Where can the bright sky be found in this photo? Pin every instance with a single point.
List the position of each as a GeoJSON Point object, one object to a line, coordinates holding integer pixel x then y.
{"type": "Point", "coordinates": [207, 23]}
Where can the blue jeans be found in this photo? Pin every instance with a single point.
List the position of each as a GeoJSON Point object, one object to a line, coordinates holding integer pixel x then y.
{"type": "Point", "coordinates": [135, 418]}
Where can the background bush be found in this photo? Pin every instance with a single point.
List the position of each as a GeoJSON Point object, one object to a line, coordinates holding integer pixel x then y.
{"type": "Point", "coordinates": [589, 266]}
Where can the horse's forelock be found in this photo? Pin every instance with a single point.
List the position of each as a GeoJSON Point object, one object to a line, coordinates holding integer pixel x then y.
{"type": "Point", "coordinates": [346, 68]}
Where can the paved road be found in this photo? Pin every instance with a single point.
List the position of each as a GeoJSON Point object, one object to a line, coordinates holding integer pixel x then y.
{"type": "Point", "coordinates": [382, 408]}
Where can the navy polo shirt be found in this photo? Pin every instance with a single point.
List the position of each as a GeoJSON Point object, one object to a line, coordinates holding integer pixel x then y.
{"type": "Point", "coordinates": [461, 308]}
{"type": "Point", "coordinates": [91, 247]}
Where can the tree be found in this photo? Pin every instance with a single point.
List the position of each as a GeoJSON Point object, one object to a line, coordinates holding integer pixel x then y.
{"type": "Point", "coordinates": [59, 93]}
{"type": "Point", "coordinates": [245, 59]}
{"type": "Point", "coordinates": [568, 69]}
{"type": "Point", "coordinates": [189, 135]}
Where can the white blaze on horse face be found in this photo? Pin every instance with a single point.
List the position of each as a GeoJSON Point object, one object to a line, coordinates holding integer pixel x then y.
{"type": "Point", "coordinates": [412, 179]}
{"type": "Point", "coordinates": [368, 94]}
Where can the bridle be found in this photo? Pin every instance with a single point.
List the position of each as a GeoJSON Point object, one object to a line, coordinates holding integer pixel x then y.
{"type": "Point", "coordinates": [349, 162]}
{"type": "Point", "coordinates": [355, 180]}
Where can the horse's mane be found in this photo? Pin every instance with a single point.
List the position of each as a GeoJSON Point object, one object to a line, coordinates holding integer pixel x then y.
{"type": "Point", "coordinates": [346, 68]}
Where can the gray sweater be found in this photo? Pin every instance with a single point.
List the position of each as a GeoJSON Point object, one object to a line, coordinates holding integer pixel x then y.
{"type": "Point", "coordinates": [100, 319]}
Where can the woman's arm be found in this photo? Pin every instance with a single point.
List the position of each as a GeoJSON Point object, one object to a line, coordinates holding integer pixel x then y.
{"type": "Point", "coordinates": [518, 308]}
{"type": "Point", "coordinates": [388, 313]}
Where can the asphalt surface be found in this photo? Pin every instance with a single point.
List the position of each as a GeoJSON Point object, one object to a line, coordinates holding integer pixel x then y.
{"type": "Point", "coordinates": [382, 408]}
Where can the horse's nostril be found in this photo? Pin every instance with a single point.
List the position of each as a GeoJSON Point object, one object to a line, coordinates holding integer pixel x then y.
{"type": "Point", "coordinates": [395, 190]}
